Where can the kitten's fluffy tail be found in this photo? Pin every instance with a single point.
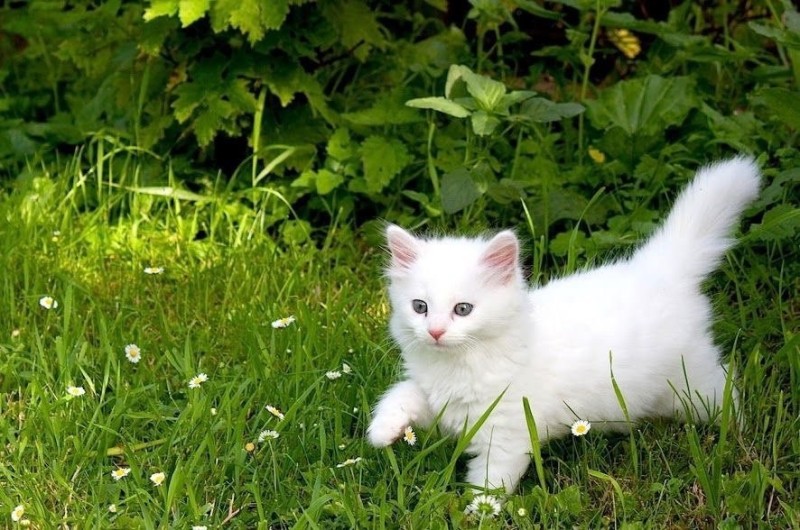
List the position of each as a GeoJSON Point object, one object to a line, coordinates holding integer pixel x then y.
{"type": "Point", "coordinates": [696, 234]}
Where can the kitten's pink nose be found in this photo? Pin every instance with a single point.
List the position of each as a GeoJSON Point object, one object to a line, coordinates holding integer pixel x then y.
{"type": "Point", "coordinates": [436, 333]}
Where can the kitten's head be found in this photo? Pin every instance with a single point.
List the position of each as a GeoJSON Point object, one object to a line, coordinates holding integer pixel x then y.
{"type": "Point", "coordinates": [449, 293]}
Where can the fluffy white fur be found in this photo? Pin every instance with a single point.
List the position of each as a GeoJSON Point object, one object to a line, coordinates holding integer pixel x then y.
{"type": "Point", "coordinates": [551, 344]}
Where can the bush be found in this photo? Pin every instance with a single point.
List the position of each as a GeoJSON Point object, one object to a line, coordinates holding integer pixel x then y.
{"type": "Point", "coordinates": [319, 103]}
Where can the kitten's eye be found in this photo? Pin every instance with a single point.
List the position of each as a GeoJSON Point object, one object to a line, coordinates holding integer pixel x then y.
{"type": "Point", "coordinates": [462, 309]}
{"type": "Point", "coordinates": [419, 306]}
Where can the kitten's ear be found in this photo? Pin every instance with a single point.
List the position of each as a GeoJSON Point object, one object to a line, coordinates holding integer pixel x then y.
{"type": "Point", "coordinates": [501, 256]}
{"type": "Point", "coordinates": [403, 246]}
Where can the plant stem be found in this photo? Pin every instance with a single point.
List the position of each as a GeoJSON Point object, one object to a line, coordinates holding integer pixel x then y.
{"type": "Point", "coordinates": [588, 61]}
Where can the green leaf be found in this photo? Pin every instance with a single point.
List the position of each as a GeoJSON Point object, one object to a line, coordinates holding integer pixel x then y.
{"type": "Point", "coordinates": [438, 104]}
{"type": "Point", "coordinates": [382, 159]}
{"type": "Point", "coordinates": [455, 73]}
{"type": "Point", "coordinates": [247, 18]}
{"type": "Point", "coordinates": [643, 106]}
{"type": "Point", "coordinates": [780, 35]}
{"type": "Point", "coordinates": [458, 190]}
{"type": "Point", "coordinates": [384, 112]}
{"type": "Point", "coordinates": [211, 120]}
{"type": "Point", "coordinates": [356, 25]}
{"type": "Point", "coordinates": [340, 147]}
{"type": "Point", "coordinates": [190, 11]}
{"type": "Point", "coordinates": [484, 124]}
{"type": "Point", "coordinates": [535, 9]}
{"type": "Point", "coordinates": [327, 181]}
{"type": "Point", "coordinates": [161, 8]}
{"type": "Point", "coordinates": [781, 222]}
{"type": "Point", "coordinates": [517, 96]}
{"type": "Point", "coordinates": [542, 110]}
{"type": "Point", "coordinates": [238, 93]}
{"type": "Point", "coordinates": [784, 104]}
{"type": "Point", "coordinates": [273, 13]}
{"type": "Point", "coordinates": [252, 17]}
{"type": "Point", "coordinates": [487, 92]}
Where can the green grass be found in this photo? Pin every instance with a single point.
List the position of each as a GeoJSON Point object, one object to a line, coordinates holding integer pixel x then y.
{"type": "Point", "coordinates": [210, 312]}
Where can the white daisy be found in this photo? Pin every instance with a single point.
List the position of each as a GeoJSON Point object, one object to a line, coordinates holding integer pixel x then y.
{"type": "Point", "coordinates": [484, 506]}
{"type": "Point", "coordinates": [133, 353]}
{"type": "Point", "coordinates": [75, 391]}
{"type": "Point", "coordinates": [17, 513]}
{"type": "Point", "coordinates": [333, 374]}
{"type": "Point", "coordinates": [346, 368]}
{"type": "Point", "coordinates": [580, 427]}
{"type": "Point", "coordinates": [112, 508]}
{"type": "Point", "coordinates": [267, 435]}
{"type": "Point", "coordinates": [198, 380]}
{"type": "Point", "coordinates": [409, 436]}
{"type": "Point", "coordinates": [350, 462]}
{"type": "Point", "coordinates": [48, 302]}
{"type": "Point", "coordinates": [283, 322]}
{"type": "Point", "coordinates": [275, 411]}
{"type": "Point", "coordinates": [157, 478]}
{"type": "Point", "coordinates": [120, 473]}
{"type": "Point", "coordinates": [153, 270]}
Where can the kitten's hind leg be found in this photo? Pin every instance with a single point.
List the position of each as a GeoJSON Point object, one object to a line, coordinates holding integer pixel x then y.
{"type": "Point", "coordinates": [404, 404]}
{"type": "Point", "coordinates": [496, 468]}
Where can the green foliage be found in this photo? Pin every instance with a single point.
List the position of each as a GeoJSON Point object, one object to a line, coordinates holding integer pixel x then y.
{"type": "Point", "coordinates": [644, 106]}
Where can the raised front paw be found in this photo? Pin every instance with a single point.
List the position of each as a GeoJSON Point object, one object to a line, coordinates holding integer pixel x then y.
{"type": "Point", "coordinates": [386, 428]}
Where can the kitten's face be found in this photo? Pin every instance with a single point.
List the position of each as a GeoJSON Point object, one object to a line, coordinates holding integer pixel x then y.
{"type": "Point", "coordinates": [448, 294]}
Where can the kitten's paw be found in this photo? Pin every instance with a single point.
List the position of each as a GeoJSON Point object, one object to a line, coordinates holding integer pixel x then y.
{"type": "Point", "coordinates": [386, 428]}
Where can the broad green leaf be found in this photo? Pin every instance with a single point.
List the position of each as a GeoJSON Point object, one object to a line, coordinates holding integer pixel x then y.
{"type": "Point", "coordinates": [286, 79]}
{"type": "Point", "coordinates": [206, 126]}
{"type": "Point", "coordinates": [327, 181]}
{"type": "Point", "coordinates": [382, 159]}
{"type": "Point", "coordinates": [781, 222]}
{"type": "Point", "coordinates": [161, 8]}
{"type": "Point", "coordinates": [455, 73]}
{"type": "Point", "coordinates": [356, 24]}
{"type": "Point", "coordinates": [384, 112]}
{"type": "Point", "coordinates": [487, 92]}
{"type": "Point", "coordinates": [247, 19]}
{"type": "Point", "coordinates": [211, 120]}
{"type": "Point", "coordinates": [245, 15]}
{"type": "Point", "coordinates": [443, 105]}
{"type": "Point", "coordinates": [305, 180]}
{"type": "Point", "coordinates": [436, 54]}
{"type": "Point", "coordinates": [273, 13]}
{"type": "Point", "coordinates": [542, 110]}
{"type": "Point", "coordinates": [458, 190]}
{"type": "Point", "coordinates": [784, 104]}
{"type": "Point", "coordinates": [517, 96]}
{"type": "Point", "coordinates": [190, 11]}
{"type": "Point", "coordinates": [643, 106]}
{"type": "Point", "coordinates": [340, 147]}
{"type": "Point", "coordinates": [484, 124]}
{"type": "Point", "coordinates": [780, 35]}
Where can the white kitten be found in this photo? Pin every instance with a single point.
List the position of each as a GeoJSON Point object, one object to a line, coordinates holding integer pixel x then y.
{"type": "Point", "coordinates": [470, 329]}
